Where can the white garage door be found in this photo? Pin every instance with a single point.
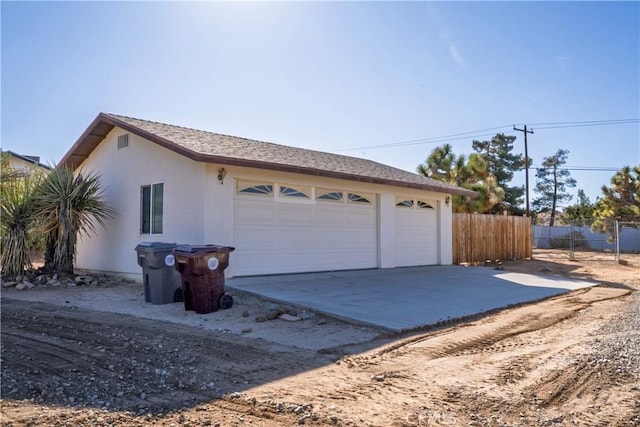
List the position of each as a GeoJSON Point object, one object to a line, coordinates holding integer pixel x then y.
{"type": "Point", "coordinates": [289, 229]}
{"type": "Point", "coordinates": [416, 232]}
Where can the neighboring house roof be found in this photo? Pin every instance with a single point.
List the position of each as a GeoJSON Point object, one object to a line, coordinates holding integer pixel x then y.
{"type": "Point", "coordinates": [230, 150]}
{"type": "Point", "coordinates": [34, 160]}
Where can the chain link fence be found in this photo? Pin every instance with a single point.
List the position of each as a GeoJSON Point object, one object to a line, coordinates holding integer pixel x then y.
{"type": "Point", "coordinates": [581, 241]}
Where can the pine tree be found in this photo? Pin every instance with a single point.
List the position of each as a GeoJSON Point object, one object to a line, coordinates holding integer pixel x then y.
{"type": "Point", "coordinates": [621, 201]}
{"type": "Point", "coordinates": [502, 164]}
{"type": "Point", "coordinates": [581, 212]}
{"type": "Point", "coordinates": [472, 173]}
{"type": "Point", "coordinates": [552, 184]}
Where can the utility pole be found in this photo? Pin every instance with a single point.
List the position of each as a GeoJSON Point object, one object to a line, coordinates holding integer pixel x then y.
{"type": "Point", "coordinates": [526, 162]}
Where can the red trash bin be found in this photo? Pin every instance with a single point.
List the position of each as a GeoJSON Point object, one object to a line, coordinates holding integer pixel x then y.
{"type": "Point", "coordinates": [202, 270]}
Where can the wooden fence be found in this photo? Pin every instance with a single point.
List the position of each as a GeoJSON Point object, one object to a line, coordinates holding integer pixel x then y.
{"type": "Point", "coordinates": [478, 238]}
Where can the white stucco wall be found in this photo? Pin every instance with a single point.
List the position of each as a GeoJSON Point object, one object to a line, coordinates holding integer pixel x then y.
{"type": "Point", "coordinates": [445, 230]}
{"type": "Point", "coordinates": [123, 172]}
{"type": "Point", "coordinates": [198, 208]}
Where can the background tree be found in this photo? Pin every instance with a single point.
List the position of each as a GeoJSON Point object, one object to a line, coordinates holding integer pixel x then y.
{"type": "Point", "coordinates": [442, 165]}
{"type": "Point", "coordinates": [620, 201]}
{"type": "Point", "coordinates": [68, 205]}
{"type": "Point", "coordinates": [581, 212]}
{"type": "Point", "coordinates": [502, 164]}
{"type": "Point", "coordinates": [472, 173]}
{"type": "Point", "coordinates": [552, 184]}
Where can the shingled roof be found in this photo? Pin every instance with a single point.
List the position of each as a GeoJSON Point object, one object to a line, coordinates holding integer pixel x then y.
{"type": "Point", "coordinates": [212, 147]}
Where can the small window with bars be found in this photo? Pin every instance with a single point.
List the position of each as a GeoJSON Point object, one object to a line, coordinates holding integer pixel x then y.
{"type": "Point", "coordinates": [123, 141]}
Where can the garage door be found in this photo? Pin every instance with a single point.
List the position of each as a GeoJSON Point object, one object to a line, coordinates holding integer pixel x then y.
{"type": "Point", "coordinates": [416, 232]}
{"type": "Point", "coordinates": [283, 228]}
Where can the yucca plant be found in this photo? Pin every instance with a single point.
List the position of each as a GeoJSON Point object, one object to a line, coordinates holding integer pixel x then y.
{"type": "Point", "coordinates": [18, 192]}
{"type": "Point", "coordinates": [69, 204]}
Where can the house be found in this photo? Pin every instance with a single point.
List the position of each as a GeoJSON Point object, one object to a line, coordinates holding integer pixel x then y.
{"type": "Point", "coordinates": [284, 209]}
{"type": "Point", "coordinates": [25, 163]}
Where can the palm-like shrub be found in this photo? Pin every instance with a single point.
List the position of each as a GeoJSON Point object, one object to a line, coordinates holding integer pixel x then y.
{"type": "Point", "coordinates": [69, 204]}
{"type": "Point", "coordinates": [18, 193]}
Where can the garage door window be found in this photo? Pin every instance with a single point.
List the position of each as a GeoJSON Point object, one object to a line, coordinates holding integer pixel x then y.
{"type": "Point", "coordinates": [404, 203]}
{"type": "Point", "coordinates": [329, 195]}
{"type": "Point", "coordinates": [151, 208]}
{"type": "Point", "coordinates": [424, 205]}
{"type": "Point", "coordinates": [295, 192]}
{"type": "Point", "coordinates": [255, 188]}
{"type": "Point", "coordinates": [359, 198]}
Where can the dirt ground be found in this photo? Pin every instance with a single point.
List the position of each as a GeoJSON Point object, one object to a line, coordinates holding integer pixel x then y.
{"type": "Point", "coordinates": [569, 360]}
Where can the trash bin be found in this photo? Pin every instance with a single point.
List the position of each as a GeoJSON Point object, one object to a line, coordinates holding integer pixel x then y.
{"type": "Point", "coordinates": [202, 270]}
{"type": "Point", "coordinates": [162, 284]}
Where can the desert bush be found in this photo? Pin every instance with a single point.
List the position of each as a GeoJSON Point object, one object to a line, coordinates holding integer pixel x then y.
{"type": "Point", "coordinates": [17, 221]}
{"type": "Point", "coordinates": [573, 239]}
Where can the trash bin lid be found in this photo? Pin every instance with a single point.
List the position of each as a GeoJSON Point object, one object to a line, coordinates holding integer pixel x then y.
{"type": "Point", "coordinates": [157, 245]}
{"type": "Point", "coordinates": [190, 249]}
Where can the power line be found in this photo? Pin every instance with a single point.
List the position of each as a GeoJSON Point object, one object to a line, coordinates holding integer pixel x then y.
{"type": "Point", "coordinates": [583, 168]}
{"type": "Point", "coordinates": [432, 140]}
{"type": "Point", "coordinates": [588, 122]}
{"type": "Point", "coordinates": [475, 133]}
{"type": "Point", "coordinates": [586, 125]}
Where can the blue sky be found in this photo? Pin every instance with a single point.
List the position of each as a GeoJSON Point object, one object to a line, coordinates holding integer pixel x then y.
{"type": "Point", "coordinates": [332, 76]}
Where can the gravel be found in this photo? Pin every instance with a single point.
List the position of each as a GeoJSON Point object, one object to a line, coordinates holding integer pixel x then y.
{"type": "Point", "coordinates": [248, 316]}
{"type": "Point", "coordinates": [617, 344]}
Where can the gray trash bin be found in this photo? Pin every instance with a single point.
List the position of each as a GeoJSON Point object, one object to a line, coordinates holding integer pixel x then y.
{"type": "Point", "coordinates": [162, 283]}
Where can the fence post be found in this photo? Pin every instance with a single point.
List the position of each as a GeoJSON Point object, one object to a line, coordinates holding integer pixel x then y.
{"type": "Point", "coordinates": [572, 255]}
{"type": "Point", "coordinates": [617, 242]}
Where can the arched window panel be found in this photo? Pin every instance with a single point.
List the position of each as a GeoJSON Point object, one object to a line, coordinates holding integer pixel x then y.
{"type": "Point", "coordinates": [256, 188]}
{"type": "Point", "coordinates": [297, 192]}
{"type": "Point", "coordinates": [424, 205]}
{"type": "Point", "coordinates": [404, 202]}
{"type": "Point", "coordinates": [330, 195]}
{"type": "Point", "coordinates": [359, 198]}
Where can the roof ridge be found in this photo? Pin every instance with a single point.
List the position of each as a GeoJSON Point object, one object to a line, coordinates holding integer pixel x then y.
{"type": "Point", "coordinates": [165, 124]}
{"type": "Point", "coordinates": [204, 131]}
{"type": "Point", "coordinates": [248, 139]}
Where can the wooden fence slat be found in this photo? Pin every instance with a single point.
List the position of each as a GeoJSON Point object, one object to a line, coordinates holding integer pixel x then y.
{"type": "Point", "coordinates": [478, 238]}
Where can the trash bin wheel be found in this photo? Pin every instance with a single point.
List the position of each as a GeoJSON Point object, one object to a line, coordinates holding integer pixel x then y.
{"type": "Point", "coordinates": [226, 301]}
{"type": "Point", "coordinates": [178, 296]}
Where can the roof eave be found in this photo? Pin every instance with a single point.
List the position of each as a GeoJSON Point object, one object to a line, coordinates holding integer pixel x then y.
{"type": "Point", "coordinates": [96, 132]}
{"type": "Point", "coordinates": [93, 135]}
{"type": "Point", "coordinates": [330, 174]}
{"type": "Point", "coordinates": [75, 155]}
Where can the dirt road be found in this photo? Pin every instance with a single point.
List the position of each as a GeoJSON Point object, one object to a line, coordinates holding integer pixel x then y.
{"type": "Point", "coordinates": [569, 360]}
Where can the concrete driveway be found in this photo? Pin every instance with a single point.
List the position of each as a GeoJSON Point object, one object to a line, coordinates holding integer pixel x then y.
{"type": "Point", "coordinates": [406, 298]}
